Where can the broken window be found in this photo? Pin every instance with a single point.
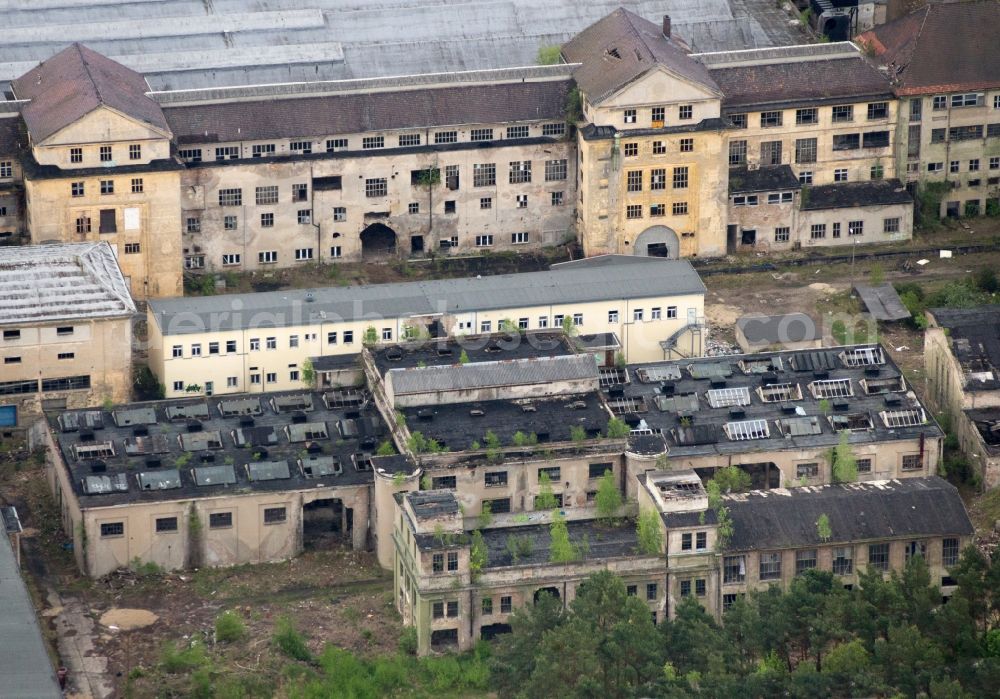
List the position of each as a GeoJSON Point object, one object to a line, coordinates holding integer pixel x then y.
{"type": "Point", "coordinates": [809, 115]}
{"type": "Point", "coordinates": [230, 197]}
{"type": "Point", "coordinates": [335, 144]}
{"type": "Point", "coordinates": [520, 171]}
{"type": "Point", "coordinates": [634, 180]}
{"type": "Point", "coordinates": [376, 187]}
{"type": "Point", "coordinates": [876, 139]}
{"type": "Point", "coordinates": [770, 565]}
{"type": "Point", "coordinates": [304, 147]}
{"type": "Point", "coordinates": [805, 150]}
{"type": "Point", "coordinates": [842, 113]}
{"type": "Point", "coordinates": [484, 174]}
{"type": "Point", "coordinates": [108, 222]}
{"type": "Point", "coordinates": [770, 153]}
{"type": "Point", "coordinates": [878, 556]}
{"type": "Point", "coordinates": [262, 149]}
{"type": "Point", "coordinates": [848, 141]}
{"type": "Point", "coordinates": [843, 560]}
{"type": "Point", "coordinates": [770, 119]}
{"type": "Point", "coordinates": [805, 560]}
{"type": "Point", "coordinates": [555, 170]}
{"type": "Point", "coordinates": [746, 430]}
{"type": "Point", "coordinates": [738, 152]}
{"type": "Point", "coordinates": [831, 388]}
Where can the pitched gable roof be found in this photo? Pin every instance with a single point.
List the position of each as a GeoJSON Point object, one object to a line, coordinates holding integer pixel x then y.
{"type": "Point", "coordinates": [941, 47]}
{"type": "Point", "coordinates": [622, 47]}
{"type": "Point", "coordinates": [75, 82]}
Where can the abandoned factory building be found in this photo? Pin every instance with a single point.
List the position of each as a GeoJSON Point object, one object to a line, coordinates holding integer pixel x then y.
{"type": "Point", "coordinates": [431, 458]}
{"type": "Point", "coordinates": [632, 144]}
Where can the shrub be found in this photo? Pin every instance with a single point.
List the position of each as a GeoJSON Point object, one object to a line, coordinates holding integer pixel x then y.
{"type": "Point", "coordinates": [289, 641]}
{"type": "Point", "coordinates": [648, 533]}
{"type": "Point", "coordinates": [608, 498]}
{"type": "Point", "coordinates": [229, 627]}
{"type": "Point", "coordinates": [617, 428]}
{"type": "Point", "coordinates": [732, 479]}
{"type": "Point", "coordinates": [176, 660]}
{"type": "Point", "coordinates": [408, 641]}
{"type": "Point", "coordinates": [986, 280]}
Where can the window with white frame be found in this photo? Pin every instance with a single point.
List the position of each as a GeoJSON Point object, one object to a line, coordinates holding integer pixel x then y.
{"type": "Point", "coordinates": [262, 149]}
{"type": "Point", "coordinates": [302, 254]}
{"type": "Point", "coordinates": [376, 187]}
{"type": "Point", "coordinates": [483, 241]}
{"type": "Point", "coordinates": [519, 238]}
{"type": "Point", "coordinates": [555, 170]}
{"type": "Point", "coordinates": [335, 144]}
{"type": "Point", "coordinates": [267, 257]}
{"type": "Point", "coordinates": [519, 131]}
{"type": "Point", "coordinates": [520, 171]}
{"type": "Point", "coordinates": [655, 313]}
{"type": "Point", "coordinates": [409, 139]}
{"type": "Point", "coordinates": [372, 142]}
{"type": "Point", "coordinates": [481, 135]}
{"type": "Point", "coordinates": [446, 137]}
{"type": "Point", "coordinates": [304, 147]}
{"type": "Point", "coordinates": [230, 259]}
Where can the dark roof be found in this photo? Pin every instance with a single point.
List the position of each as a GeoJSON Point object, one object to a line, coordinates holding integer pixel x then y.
{"type": "Point", "coordinates": [597, 341]}
{"type": "Point", "coordinates": [786, 518]}
{"type": "Point", "coordinates": [75, 82]}
{"type": "Point", "coordinates": [674, 520]}
{"type": "Point", "coordinates": [431, 503]}
{"type": "Point", "coordinates": [11, 137]}
{"type": "Point", "coordinates": [441, 351]}
{"type": "Point", "coordinates": [333, 362]}
{"type": "Point", "coordinates": [793, 82]}
{"type": "Point", "coordinates": [764, 179]}
{"type": "Point", "coordinates": [362, 112]}
{"type": "Point", "coordinates": [662, 394]}
{"type": "Point", "coordinates": [882, 301]}
{"type": "Point", "coordinates": [457, 425]}
{"type": "Point", "coordinates": [849, 195]}
{"type": "Point", "coordinates": [974, 336]}
{"type": "Point", "coordinates": [11, 522]}
{"type": "Point", "coordinates": [987, 423]}
{"type": "Point", "coordinates": [172, 450]}
{"type": "Point", "coordinates": [620, 48]}
{"type": "Point", "coordinates": [601, 542]}
{"type": "Point", "coordinates": [790, 327]}
{"type": "Point", "coordinates": [943, 47]}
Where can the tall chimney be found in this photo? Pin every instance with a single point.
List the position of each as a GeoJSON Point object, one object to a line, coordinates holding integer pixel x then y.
{"type": "Point", "coordinates": [666, 26]}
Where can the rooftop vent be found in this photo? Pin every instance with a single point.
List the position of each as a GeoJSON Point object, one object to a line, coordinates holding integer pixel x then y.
{"type": "Point", "coordinates": [425, 414]}
{"type": "Point", "coordinates": [260, 454]}
{"type": "Point", "coordinates": [352, 414]}
{"type": "Point", "coordinates": [616, 391]}
{"type": "Point", "coordinates": [893, 400]}
{"type": "Point", "coordinates": [246, 422]}
{"type": "Point", "coordinates": [578, 405]}
{"type": "Point", "coordinates": [821, 374]}
{"type": "Point", "coordinates": [298, 418]}
{"type": "Point", "coordinates": [768, 379]}
{"type": "Point", "coordinates": [368, 442]}
{"type": "Point", "coordinates": [477, 412]}
{"type": "Point", "coordinates": [787, 409]}
{"type": "Point", "coordinates": [87, 436]}
{"type": "Point", "coordinates": [872, 371]}
{"type": "Point", "coordinates": [208, 458]}
{"type": "Point", "coordinates": [717, 383]}
{"type": "Point", "coordinates": [632, 420]}
{"type": "Point", "coordinates": [394, 354]}
{"type": "Point", "coordinates": [154, 463]}
{"type": "Point", "coordinates": [668, 388]}
{"type": "Point", "coordinates": [444, 351]}
{"type": "Point", "coordinates": [194, 426]}
{"type": "Point", "coordinates": [314, 448]}
{"type": "Point", "coordinates": [543, 436]}
{"type": "Point", "coordinates": [737, 413]}
{"type": "Point", "coordinates": [841, 406]}
{"type": "Point", "coordinates": [140, 432]}
{"type": "Point", "coordinates": [528, 408]}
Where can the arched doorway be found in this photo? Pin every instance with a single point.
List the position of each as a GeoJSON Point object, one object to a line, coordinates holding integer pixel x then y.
{"type": "Point", "coordinates": [378, 240]}
{"type": "Point", "coordinates": [554, 591]}
{"type": "Point", "coordinates": [657, 241]}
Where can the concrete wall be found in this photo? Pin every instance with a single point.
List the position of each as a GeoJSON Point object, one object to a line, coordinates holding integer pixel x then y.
{"type": "Point", "coordinates": [441, 213]}
{"type": "Point", "coordinates": [640, 340]}
{"type": "Point", "coordinates": [100, 349]}
{"type": "Point", "coordinates": [920, 149]}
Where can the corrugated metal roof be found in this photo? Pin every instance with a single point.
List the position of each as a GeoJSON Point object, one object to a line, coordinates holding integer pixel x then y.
{"type": "Point", "coordinates": [234, 42]}
{"type": "Point", "coordinates": [563, 284]}
{"type": "Point", "coordinates": [46, 283]}
{"type": "Point", "coordinates": [487, 374]}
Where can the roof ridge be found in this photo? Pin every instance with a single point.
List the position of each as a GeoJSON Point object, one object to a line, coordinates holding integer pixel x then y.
{"type": "Point", "coordinates": [86, 69]}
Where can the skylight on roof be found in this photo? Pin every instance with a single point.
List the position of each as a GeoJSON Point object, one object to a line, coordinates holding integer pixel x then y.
{"type": "Point", "coordinates": [877, 386]}
{"type": "Point", "coordinates": [761, 366]}
{"type": "Point", "coordinates": [627, 404]}
{"type": "Point", "coordinates": [800, 426]}
{"type": "Point", "coordinates": [832, 388]}
{"type": "Point", "coordinates": [101, 450]}
{"type": "Point", "coordinates": [779, 392]}
{"type": "Point", "coordinates": [746, 430]}
{"type": "Point", "coordinates": [728, 397]}
{"type": "Point", "coordinates": [862, 356]}
{"type": "Point", "coordinates": [655, 374]}
{"type": "Point", "coordinates": [102, 485]}
{"type": "Point", "coordinates": [904, 418]}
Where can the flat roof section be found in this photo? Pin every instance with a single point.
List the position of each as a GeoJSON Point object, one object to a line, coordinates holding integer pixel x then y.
{"type": "Point", "coordinates": [446, 351]}
{"type": "Point", "coordinates": [882, 301]}
{"type": "Point", "coordinates": [974, 335]}
{"type": "Point", "coordinates": [217, 452]}
{"type": "Point", "coordinates": [756, 402]}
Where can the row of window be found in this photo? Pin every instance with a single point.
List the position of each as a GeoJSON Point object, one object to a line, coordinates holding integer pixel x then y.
{"type": "Point", "coordinates": [658, 115]}
{"type": "Point", "coordinates": [684, 145]}
{"type": "Point", "coordinates": [333, 145]}
{"type": "Point", "coordinates": [60, 355]}
{"type": "Point", "coordinates": [818, 230]}
{"type": "Point", "coordinates": [79, 189]}
{"type": "Point", "coordinates": [754, 199]}
{"type": "Point", "coordinates": [734, 567]}
{"type": "Point", "coordinates": [105, 153]}
{"type": "Point", "coordinates": [965, 133]}
{"type": "Point", "coordinates": [29, 386]}
{"type": "Point", "coordinates": [956, 165]}
{"type": "Point", "coordinates": [678, 208]}
{"type": "Point", "coordinates": [806, 148]}
{"type": "Point", "coordinates": [652, 591]}
{"type": "Point", "coordinates": [506, 605]}
{"type": "Point", "coordinates": [839, 114]}
{"type": "Point", "coordinates": [657, 179]}
{"type": "Point", "coordinates": [216, 520]}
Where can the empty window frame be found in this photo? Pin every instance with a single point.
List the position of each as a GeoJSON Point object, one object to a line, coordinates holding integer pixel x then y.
{"type": "Point", "coordinates": [842, 113]}
{"type": "Point", "coordinates": [376, 187]}
{"type": "Point", "coordinates": [843, 560]}
{"type": "Point", "coordinates": [304, 147]}
{"type": "Point", "coordinates": [555, 129]}
{"type": "Point", "coordinates": [779, 392]}
{"type": "Point", "coordinates": [555, 170]}
{"type": "Point", "coordinates": [909, 417]}
{"type": "Point", "coordinates": [831, 388]}
{"type": "Point", "coordinates": [409, 139]}
{"type": "Point", "coordinates": [734, 569]}
{"type": "Point", "coordinates": [266, 195]}
{"type": "Point", "coordinates": [805, 560]}
{"type": "Point", "coordinates": [746, 430]}
{"type": "Point", "coordinates": [484, 174]}
{"type": "Point", "coordinates": [809, 115]}
{"type": "Point", "coordinates": [862, 356]}
{"type": "Point", "coordinates": [231, 197]}
{"type": "Point", "coordinates": [520, 131]}
{"type": "Point", "coordinates": [726, 397]}
{"type": "Point", "coordinates": [335, 144]}
{"type": "Point", "coordinates": [770, 119]}
{"type": "Point", "coordinates": [372, 142]}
